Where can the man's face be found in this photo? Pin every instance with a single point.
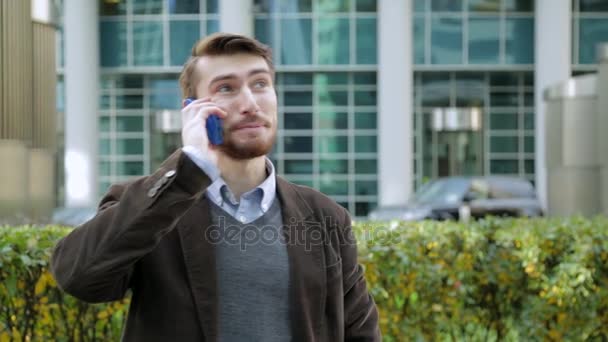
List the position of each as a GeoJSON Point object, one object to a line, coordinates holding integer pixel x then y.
{"type": "Point", "coordinates": [242, 85]}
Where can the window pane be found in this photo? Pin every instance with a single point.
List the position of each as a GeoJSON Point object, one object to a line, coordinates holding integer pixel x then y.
{"type": "Point", "coordinates": [368, 78]}
{"type": "Point", "coordinates": [365, 121]}
{"type": "Point", "coordinates": [592, 32]}
{"type": "Point", "coordinates": [446, 41]}
{"type": "Point", "coordinates": [183, 6]}
{"type": "Point", "coordinates": [105, 147]}
{"type": "Point", "coordinates": [184, 34]}
{"type": "Point", "coordinates": [129, 82]}
{"type": "Point", "coordinates": [333, 98]}
{"type": "Point", "coordinates": [362, 208]}
{"type": "Point", "coordinates": [366, 188]}
{"type": "Point", "coordinates": [333, 166]}
{"type": "Point", "coordinates": [366, 166]}
{"type": "Point", "coordinates": [420, 5]}
{"type": "Point", "coordinates": [333, 41]}
{"type": "Point", "coordinates": [504, 166]}
{"type": "Point", "coordinates": [129, 146]}
{"type": "Point", "coordinates": [365, 98]}
{"type": "Point", "coordinates": [299, 98]}
{"type": "Point", "coordinates": [504, 144]}
{"type": "Point", "coordinates": [330, 186]}
{"type": "Point", "coordinates": [500, 121]}
{"type": "Point", "coordinates": [504, 99]}
{"type": "Point", "coordinates": [330, 78]}
{"type": "Point", "coordinates": [297, 121]}
{"type": "Point", "coordinates": [130, 168]}
{"type": "Point", "coordinates": [329, 120]}
{"type": "Point", "coordinates": [504, 79]}
{"type": "Point", "coordinates": [298, 144]}
{"type": "Point", "coordinates": [519, 5]}
{"type": "Point", "coordinates": [296, 41]}
{"type": "Point", "coordinates": [164, 93]}
{"type": "Point", "coordinates": [329, 6]}
{"type": "Point", "coordinates": [419, 40]}
{"type": "Point", "coordinates": [104, 102]}
{"type": "Point", "coordinates": [519, 41]}
{"type": "Point", "coordinates": [113, 43]}
{"type": "Point", "coordinates": [112, 8]}
{"type": "Point", "coordinates": [129, 124]}
{"type": "Point", "coordinates": [212, 6]}
{"type": "Point", "coordinates": [366, 144]}
{"type": "Point", "coordinates": [529, 166]}
{"type": "Point", "coordinates": [213, 26]}
{"type": "Point", "coordinates": [129, 101]}
{"type": "Point", "coordinates": [283, 6]}
{"type": "Point", "coordinates": [147, 6]}
{"type": "Point", "coordinates": [147, 43]}
{"type": "Point", "coordinates": [529, 121]}
{"type": "Point", "coordinates": [446, 6]}
{"type": "Point", "coordinates": [297, 78]}
{"type": "Point", "coordinates": [104, 124]}
{"type": "Point", "coordinates": [264, 31]}
{"type": "Point", "coordinates": [105, 168]}
{"type": "Point", "coordinates": [529, 144]}
{"type": "Point", "coordinates": [333, 144]}
{"type": "Point", "coordinates": [298, 166]}
{"type": "Point", "coordinates": [366, 41]}
{"type": "Point", "coordinates": [484, 41]}
{"type": "Point", "coordinates": [484, 5]}
{"type": "Point", "coordinates": [367, 5]}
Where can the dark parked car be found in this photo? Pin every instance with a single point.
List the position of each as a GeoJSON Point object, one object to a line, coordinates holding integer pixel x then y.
{"type": "Point", "coordinates": [450, 198]}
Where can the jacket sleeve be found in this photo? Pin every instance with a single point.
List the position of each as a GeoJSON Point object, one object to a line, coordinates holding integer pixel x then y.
{"type": "Point", "coordinates": [360, 312]}
{"type": "Point", "coordinates": [96, 260]}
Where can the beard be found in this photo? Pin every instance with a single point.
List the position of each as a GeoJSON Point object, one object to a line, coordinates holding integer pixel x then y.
{"type": "Point", "coordinates": [255, 146]}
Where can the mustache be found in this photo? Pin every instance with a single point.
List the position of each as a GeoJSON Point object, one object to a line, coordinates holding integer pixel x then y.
{"type": "Point", "coordinates": [256, 120]}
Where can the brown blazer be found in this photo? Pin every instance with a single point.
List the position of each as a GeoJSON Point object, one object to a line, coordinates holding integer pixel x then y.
{"type": "Point", "coordinates": [149, 236]}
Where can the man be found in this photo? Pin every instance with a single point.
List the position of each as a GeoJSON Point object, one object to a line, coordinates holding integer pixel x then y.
{"type": "Point", "coordinates": [214, 245]}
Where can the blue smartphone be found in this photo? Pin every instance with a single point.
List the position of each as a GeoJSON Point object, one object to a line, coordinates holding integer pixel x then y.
{"type": "Point", "coordinates": [213, 125]}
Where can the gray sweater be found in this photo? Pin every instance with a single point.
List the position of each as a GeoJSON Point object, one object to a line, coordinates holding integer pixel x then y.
{"type": "Point", "coordinates": [253, 277]}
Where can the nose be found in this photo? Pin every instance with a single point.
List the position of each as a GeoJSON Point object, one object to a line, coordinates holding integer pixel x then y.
{"type": "Point", "coordinates": [247, 102]}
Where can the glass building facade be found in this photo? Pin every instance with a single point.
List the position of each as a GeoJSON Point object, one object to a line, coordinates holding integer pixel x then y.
{"type": "Point", "coordinates": [473, 62]}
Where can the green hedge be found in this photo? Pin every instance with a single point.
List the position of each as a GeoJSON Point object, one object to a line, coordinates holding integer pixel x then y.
{"type": "Point", "coordinates": [496, 279]}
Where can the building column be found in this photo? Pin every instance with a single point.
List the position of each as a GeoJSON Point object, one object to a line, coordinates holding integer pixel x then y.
{"type": "Point", "coordinates": [395, 102]}
{"type": "Point", "coordinates": [236, 16]}
{"type": "Point", "coordinates": [552, 58]}
{"type": "Point", "coordinates": [81, 104]}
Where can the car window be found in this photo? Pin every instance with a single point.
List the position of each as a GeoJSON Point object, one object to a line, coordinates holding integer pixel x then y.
{"type": "Point", "coordinates": [511, 188]}
{"type": "Point", "coordinates": [446, 190]}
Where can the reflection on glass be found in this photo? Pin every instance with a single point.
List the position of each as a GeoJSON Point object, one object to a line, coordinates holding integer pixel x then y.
{"type": "Point", "coordinates": [504, 144]}
{"type": "Point", "coordinates": [365, 98]}
{"type": "Point", "coordinates": [130, 168]}
{"type": "Point", "coordinates": [366, 41]}
{"type": "Point", "coordinates": [333, 98]}
{"type": "Point", "coordinates": [419, 40]}
{"type": "Point", "coordinates": [297, 121]}
{"type": "Point", "coordinates": [113, 43]}
{"type": "Point", "coordinates": [333, 41]}
{"type": "Point", "coordinates": [519, 41]}
{"type": "Point", "coordinates": [330, 78]}
{"type": "Point", "coordinates": [147, 6]}
{"type": "Point", "coordinates": [332, 144]}
{"type": "Point", "coordinates": [298, 98]}
{"type": "Point", "coordinates": [446, 5]}
{"type": "Point", "coordinates": [147, 43]}
{"type": "Point", "coordinates": [484, 5]}
{"type": "Point", "coordinates": [330, 186]}
{"type": "Point", "coordinates": [366, 144]}
{"type": "Point", "coordinates": [498, 166]}
{"type": "Point", "coordinates": [298, 166]}
{"type": "Point", "coordinates": [592, 32]}
{"type": "Point", "coordinates": [333, 166]}
{"type": "Point", "coordinates": [183, 6]}
{"type": "Point", "coordinates": [296, 41]}
{"type": "Point", "coordinates": [329, 6]}
{"type": "Point", "coordinates": [298, 144]}
{"type": "Point", "coordinates": [164, 94]}
{"type": "Point", "coordinates": [183, 35]}
{"type": "Point", "coordinates": [446, 41]}
{"type": "Point", "coordinates": [330, 120]}
{"type": "Point", "coordinates": [484, 41]}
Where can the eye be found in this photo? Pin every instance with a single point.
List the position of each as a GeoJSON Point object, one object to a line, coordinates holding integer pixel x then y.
{"type": "Point", "coordinates": [224, 88]}
{"type": "Point", "coordinates": [259, 84]}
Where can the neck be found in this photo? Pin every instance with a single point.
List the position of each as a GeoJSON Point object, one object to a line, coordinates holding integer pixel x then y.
{"type": "Point", "coordinates": [242, 175]}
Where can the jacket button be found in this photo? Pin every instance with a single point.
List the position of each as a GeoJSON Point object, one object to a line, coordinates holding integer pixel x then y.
{"type": "Point", "coordinates": [170, 173]}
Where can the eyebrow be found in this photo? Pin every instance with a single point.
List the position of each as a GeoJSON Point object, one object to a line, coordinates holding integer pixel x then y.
{"type": "Point", "coordinates": [233, 75]}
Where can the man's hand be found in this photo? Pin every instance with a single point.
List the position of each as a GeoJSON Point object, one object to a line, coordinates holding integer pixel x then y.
{"type": "Point", "coordinates": [194, 132]}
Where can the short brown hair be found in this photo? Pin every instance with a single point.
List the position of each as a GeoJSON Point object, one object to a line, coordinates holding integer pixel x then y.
{"type": "Point", "coordinates": [219, 44]}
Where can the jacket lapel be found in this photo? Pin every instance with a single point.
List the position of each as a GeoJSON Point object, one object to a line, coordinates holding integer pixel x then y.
{"type": "Point", "coordinates": [305, 251]}
{"type": "Point", "coordinates": [199, 257]}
